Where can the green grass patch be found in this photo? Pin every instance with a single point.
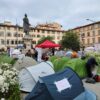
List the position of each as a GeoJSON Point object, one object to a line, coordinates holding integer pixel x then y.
{"type": "Point", "coordinates": [6, 59]}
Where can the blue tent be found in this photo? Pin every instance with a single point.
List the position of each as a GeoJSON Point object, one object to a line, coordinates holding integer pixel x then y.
{"type": "Point", "coordinates": [64, 85]}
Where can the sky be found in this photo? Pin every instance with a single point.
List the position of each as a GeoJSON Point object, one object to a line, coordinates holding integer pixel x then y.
{"type": "Point", "coordinates": [68, 13]}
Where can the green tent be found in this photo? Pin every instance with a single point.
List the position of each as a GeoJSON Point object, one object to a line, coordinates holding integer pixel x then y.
{"type": "Point", "coordinates": [59, 63]}
{"type": "Point", "coordinates": [78, 65]}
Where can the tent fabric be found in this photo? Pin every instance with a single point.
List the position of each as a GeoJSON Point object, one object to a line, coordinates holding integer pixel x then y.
{"type": "Point", "coordinates": [69, 54]}
{"type": "Point", "coordinates": [47, 90]}
{"type": "Point", "coordinates": [28, 77]}
{"type": "Point", "coordinates": [86, 95]}
{"type": "Point", "coordinates": [88, 49]}
{"type": "Point", "coordinates": [39, 92]}
{"type": "Point", "coordinates": [78, 65]}
{"type": "Point", "coordinates": [59, 63]}
{"type": "Point", "coordinates": [24, 62]}
{"type": "Point", "coordinates": [74, 80]}
{"type": "Point", "coordinates": [48, 44]}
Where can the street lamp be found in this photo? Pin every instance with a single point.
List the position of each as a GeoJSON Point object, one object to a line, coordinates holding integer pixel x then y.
{"type": "Point", "coordinates": [90, 20]}
{"type": "Point", "coordinates": [5, 34]}
{"type": "Point", "coordinates": [82, 38]}
{"type": "Point", "coordinates": [17, 33]}
{"type": "Point", "coordinates": [17, 27]}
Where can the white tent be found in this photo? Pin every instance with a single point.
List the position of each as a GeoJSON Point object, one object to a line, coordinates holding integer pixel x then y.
{"type": "Point", "coordinates": [24, 62]}
{"type": "Point", "coordinates": [15, 53]}
{"type": "Point", "coordinates": [28, 77]}
{"type": "Point", "coordinates": [87, 49]}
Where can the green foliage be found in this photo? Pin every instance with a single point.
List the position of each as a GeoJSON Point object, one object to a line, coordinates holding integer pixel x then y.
{"type": "Point", "coordinates": [15, 95]}
{"type": "Point", "coordinates": [45, 38]}
{"type": "Point", "coordinates": [9, 87]}
{"type": "Point", "coordinates": [70, 40]}
{"type": "Point", "coordinates": [6, 59]}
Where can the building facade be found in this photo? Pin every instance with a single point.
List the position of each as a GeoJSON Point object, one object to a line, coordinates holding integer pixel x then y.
{"type": "Point", "coordinates": [89, 34]}
{"type": "Point", "coordinates": [12, 35]}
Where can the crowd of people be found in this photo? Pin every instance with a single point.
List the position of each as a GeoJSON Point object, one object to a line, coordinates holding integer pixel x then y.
{"type": "Point", "coordinates": [43, 54]}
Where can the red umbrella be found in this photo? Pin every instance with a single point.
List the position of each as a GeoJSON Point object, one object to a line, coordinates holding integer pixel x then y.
{"type": "Point", "coordinates": [48, 44]}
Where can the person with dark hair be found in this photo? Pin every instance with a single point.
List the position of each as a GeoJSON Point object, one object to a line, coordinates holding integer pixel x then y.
{"type": "Point", "coordinates": [35, 54]}
{"type": "Point", "coordinates": [28, 53]}
{"type": "Point", "coordinates": [90, 66]}
{"type": "Point", "coordinates": [8, 51]}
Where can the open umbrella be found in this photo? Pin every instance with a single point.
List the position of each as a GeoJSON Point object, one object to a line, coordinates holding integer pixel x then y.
{"type": "Point", "coordinates": [48, 44]}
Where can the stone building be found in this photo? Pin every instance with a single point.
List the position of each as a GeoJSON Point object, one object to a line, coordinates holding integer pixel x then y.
{"type": "Point", "coordinates": [89, 34]}
{"type": "Point", "coordinates": [12, 35]}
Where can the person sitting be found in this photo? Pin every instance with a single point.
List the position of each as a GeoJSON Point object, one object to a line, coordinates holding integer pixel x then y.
{"type": "Point", "coordinates": [28, 53]}
{"type": "Point", "coordinates": [90, 66]}
{"type": "Point", "coordinates": [45, 57]}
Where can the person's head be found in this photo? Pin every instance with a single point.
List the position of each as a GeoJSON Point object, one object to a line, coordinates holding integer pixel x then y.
{"type": "Point", "coordinates": [93, 60]}
{"type": "Point", "coordinates": [29, 50]}
{"type": "Point", "coordinates": [20, 50]}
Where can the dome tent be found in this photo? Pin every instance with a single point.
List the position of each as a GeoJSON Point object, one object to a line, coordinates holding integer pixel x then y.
{"type": "Point", "coordinates": [28, 77]}
{"type": "Point", "coordinates": [64, 85]}
{"type": "Point", "coordinates": [24, 62]}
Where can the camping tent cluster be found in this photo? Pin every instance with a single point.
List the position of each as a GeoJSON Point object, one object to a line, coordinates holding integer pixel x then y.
{"type": "Point", "coordinates": [64, 85]}
{"type": "Point", "coordinates": [42, 83]}
{"type": "Point", "coordinates": [29, 76]}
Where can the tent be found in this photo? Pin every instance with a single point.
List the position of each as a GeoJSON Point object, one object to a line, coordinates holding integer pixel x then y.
{"type": "Point", "coordinates": [69, 54]}
{"type": "Point", "coordinates": [88, 49]}
{"type": "Point", "coordinates": [15, 53]}
{"type": "Point", "coordinates": [48, 44]}
{"type": "Point", "coordinates": [78, 65]}
{"type": "Point", "coordinates": [29, 76]}
{"type": "Point", "coordinates": [64, 85]}
{"type": "Point", "coordinates": [24, 62]}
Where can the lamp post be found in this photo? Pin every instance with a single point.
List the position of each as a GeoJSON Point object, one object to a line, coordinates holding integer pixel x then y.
{"type": "Point", "coordinates": [90, 20]}
{"type": "Point", "coordinates": [5, 34]}
{"type": "Point", "coordinates": [17, 34]}
{"type": "Point", "coordinates": [82, 39]}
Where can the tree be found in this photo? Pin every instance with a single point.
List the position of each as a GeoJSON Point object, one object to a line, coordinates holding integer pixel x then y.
{"type": "Point", "coordinates": [45, 38]}
{"type": "Point", "coordinates": [70, 40]}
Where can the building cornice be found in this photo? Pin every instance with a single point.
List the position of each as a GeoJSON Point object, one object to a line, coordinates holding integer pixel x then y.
{"type": "Point", "coordinates": [86, 25]}
{"type": "Point", "coordinates": [32, 28]}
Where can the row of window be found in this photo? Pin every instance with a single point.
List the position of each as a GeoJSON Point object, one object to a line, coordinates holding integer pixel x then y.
{"type": "Point", "coordinates": [89, 41]}
{"type": "Point", "coordinates": [31, 30]}
{"type": "Point", "coordinates": [8, 34]}
{"type": "Point", "coordinates": [89, 34]}
{"type": "Point", "coordinates": [91, 27]}
{"type": "Point", "coordinates": [11, 28]}
{"type": "Point", "coordinates": [12, 42]}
